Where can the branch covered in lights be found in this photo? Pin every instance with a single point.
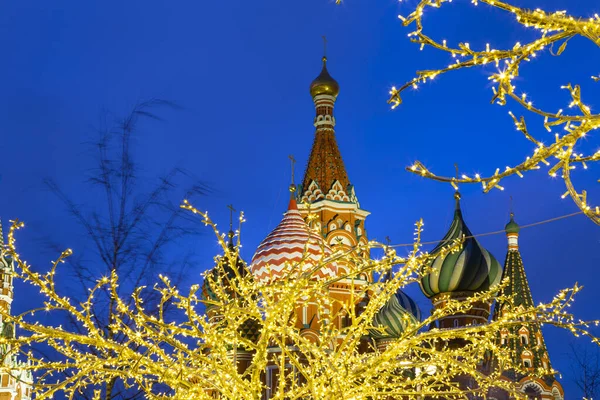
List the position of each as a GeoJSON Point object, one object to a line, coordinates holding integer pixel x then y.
{"type": "Point", "coordinates": [197, 354]}
{"type": "Point", "coordinates": [555, 31]}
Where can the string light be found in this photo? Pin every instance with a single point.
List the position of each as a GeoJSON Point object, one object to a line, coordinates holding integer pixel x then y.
{"type": "Point", "coordinates": [555, 30]}
{"type": "Point", "coordinates": [232, 330]}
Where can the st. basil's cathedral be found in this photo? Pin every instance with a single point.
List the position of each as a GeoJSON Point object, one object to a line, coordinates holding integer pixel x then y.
{"type": "Point", "coordinates": [337, 219]}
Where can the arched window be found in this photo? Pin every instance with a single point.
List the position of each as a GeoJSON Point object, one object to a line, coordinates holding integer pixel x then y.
{"type": "Point", "coordinates": [456, 323]}
{"type": "Point", "coordinates": [504, 336]}
{"type": "Point", "coordinates": [524, 339]}
{"type": "Point", "coordinates": [527, 363]}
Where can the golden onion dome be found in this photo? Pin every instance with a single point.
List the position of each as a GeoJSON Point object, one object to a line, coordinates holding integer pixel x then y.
{"type": "Point", "coordinates": [324, 83]}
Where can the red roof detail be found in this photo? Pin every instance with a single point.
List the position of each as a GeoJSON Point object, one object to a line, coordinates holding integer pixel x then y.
{"type": "Point", "coordinates": [325, 164]}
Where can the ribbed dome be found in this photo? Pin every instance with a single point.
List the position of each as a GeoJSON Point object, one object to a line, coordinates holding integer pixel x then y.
{"type": "Point", "coordinates": [512, 226]}
{"type": "Point", "coordinates": [222, 273]}
{"type": "Point", "coordinates": [470, 269]}
{"type": "Point", "coordinates": [324, 83]}
{"type": "Point", "coordinates": [291, 242]}
{"type": "Point", "coordinates": [395, 316]}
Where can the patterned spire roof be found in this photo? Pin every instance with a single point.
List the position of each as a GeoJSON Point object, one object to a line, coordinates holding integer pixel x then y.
{"type": "Point", "coordinates": [325, 165]}
{"type": "Point", "coordinates": [525, 341]}
{"type": "Point", "coordinates": [470, 269]}
{"type": "Point", "coordinates": [289, 244]}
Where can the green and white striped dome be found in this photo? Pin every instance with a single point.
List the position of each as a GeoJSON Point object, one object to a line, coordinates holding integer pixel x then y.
{"type": "Point", "coordinates": [399, 313]}
{"type": "Point", "coordinates": [471, 269]}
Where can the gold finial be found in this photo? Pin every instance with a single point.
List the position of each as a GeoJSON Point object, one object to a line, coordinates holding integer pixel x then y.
{"type": "Point", "coordinates": [293, 163]}
{"type": "Point", "coordinates": [324, 48]}
{"type": "Point", "coordinates": [512, 214]}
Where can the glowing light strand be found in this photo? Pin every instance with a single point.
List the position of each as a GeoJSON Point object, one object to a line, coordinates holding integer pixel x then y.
{"type": "Point", "coordinates": [556, 29]}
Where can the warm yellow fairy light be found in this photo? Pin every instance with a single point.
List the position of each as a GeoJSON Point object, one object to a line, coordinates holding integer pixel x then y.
{"type": "Point", "coordinates": [555, 29]}
{"type": "Point", "coordinates": [197, 354]}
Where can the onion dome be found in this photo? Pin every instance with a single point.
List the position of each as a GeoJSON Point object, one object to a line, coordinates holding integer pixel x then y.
{"type": "Point", "coordinates": [470, 269]}
{"type": "Point", "coordinates": [223, 273]}
{"type": "Point", "coordinates": [290, 244]}
{"type": "Point", "coordinates": [512, 226]}
{"type": "Point", "coordinates": [324, 83]}
{"type": "Point", "coordinates": [399, 313]}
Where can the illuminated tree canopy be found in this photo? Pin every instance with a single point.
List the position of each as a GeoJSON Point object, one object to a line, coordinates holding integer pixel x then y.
{"type": "Point", "coordinates": [195, 354]}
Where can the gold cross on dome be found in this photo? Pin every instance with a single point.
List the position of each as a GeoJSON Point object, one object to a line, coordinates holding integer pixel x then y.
{"type": "Point", "coordinates": [231, 211]}
{"type": "Point", "coordinates": [293, 162]}
{"type": "Point", "coordinates": [324, 46]}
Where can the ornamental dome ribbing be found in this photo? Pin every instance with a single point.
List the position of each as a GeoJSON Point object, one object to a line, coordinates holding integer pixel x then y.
{"type": "Point", "coordinates": [223, 273]}
{"type": "Point", "coordinates": [470, 269]}
{"type": "Point", "coordinates": [290, 246]}
{"type": "Point", "coordinates": [324, 83]}
{"type": "Point", "coordinates": [512, 226]}
{"type": "Point", "coordinates": [399, 313]}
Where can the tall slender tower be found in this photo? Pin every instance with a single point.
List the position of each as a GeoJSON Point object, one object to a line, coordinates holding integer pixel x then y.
{"type": "Point", "coordinates": [525, 341]}
{"type": "Point", "coordinates": [17, 383]}
{"type": "Point", "coordinates": [326, 190]}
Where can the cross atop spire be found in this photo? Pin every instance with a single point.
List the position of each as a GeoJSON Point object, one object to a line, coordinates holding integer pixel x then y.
{"type": "Point", "coordinates": [293, 163]}
{"type": "Point", "coordinates": [231, 211]}
{"type": "Point", "coordinates": [324, 48]}
{"type": "Point", "coordinates": [231, 234]}
{"type": "Point", "coordinates": [293, 166]}
{"type": "Point", "coordinates": [455, 185]}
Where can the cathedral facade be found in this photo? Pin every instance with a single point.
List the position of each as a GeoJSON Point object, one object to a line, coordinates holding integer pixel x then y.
{"type": "Point", "coordinates": [338, 221]}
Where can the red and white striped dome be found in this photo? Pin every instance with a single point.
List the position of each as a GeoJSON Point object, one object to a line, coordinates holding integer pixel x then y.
{"type": "Point", "coordinates": [290, 244]}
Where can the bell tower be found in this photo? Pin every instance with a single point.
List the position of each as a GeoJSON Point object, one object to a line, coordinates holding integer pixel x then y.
{"type": "Point", "coordinates": [326, 191]}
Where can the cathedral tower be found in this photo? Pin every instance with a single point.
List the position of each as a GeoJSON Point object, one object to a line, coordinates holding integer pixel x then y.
{"type": "Point", "coordinates": [326, 190]}
{"type": "Point", "coordinates": [525, 341]}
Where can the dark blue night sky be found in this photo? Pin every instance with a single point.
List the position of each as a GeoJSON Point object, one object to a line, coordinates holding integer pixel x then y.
{"type": "Point", "coordinates": [240, 72]}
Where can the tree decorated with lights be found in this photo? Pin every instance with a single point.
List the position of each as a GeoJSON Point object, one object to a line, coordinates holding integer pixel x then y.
{"type": "Point", "coordinates": [569, 148]}
{"type": "Point", "coordinates": [198, 355]}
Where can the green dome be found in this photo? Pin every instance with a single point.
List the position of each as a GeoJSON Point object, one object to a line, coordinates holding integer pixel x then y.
{"type": "Point", "coordinates": [512, 226]}
{"type": "Point", "coordinates": [399, 313]}
{"type": "Point", "coordinates": [470, 269]}
{"type": "Point", "coordinates": [222, 273]}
